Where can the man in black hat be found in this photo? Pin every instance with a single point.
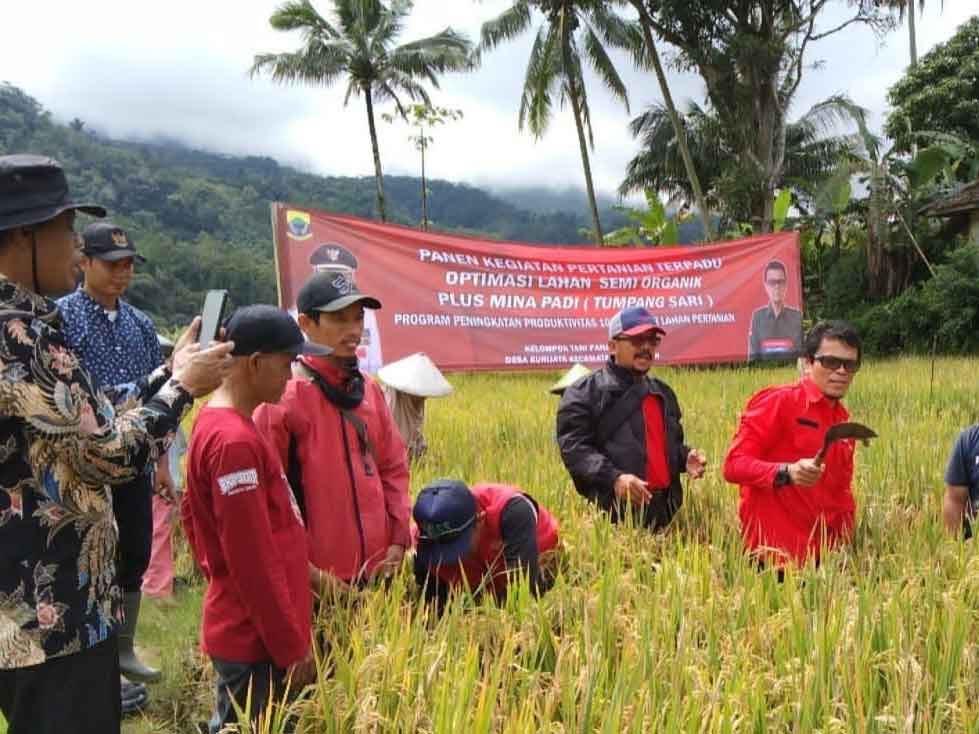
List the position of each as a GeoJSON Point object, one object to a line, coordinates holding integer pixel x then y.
{"type": "Point", "coordinates": [59, 601]}
{"type": "Point", "coordinates": [117, 344]}
{"type": "Point", "coordinates": [339, 443]}
{"type": "Point", "coordinates": [245, 527]}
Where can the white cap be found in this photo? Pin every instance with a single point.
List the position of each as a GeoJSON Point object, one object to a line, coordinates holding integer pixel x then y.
{"type": "Point", "coordinates": [570, 377]}
{"type": "Point", "coordinates": [415, 375]}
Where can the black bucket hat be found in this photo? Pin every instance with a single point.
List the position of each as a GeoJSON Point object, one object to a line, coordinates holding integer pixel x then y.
{"type": "Point", "coordinates": [33, 189]}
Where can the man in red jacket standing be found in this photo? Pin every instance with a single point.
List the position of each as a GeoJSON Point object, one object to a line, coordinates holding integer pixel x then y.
{"type": "Point", "coordinates": [342, 451]}
{"type": "Point", "coordinates": [791, 506]}
{"type": "Point", "coordinates": [244, 526]}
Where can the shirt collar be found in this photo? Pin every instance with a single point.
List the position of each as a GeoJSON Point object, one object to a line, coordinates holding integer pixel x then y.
{"type": "Point", "coordinates": [92, 305]}
{"type": "Point", "coordinates": [17, 298]}
{"type": "Point", "coordinates": [811, 390]}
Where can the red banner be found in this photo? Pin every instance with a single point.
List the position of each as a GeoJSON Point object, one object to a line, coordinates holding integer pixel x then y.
{"type": "Point", "coordinates": [478, 304]}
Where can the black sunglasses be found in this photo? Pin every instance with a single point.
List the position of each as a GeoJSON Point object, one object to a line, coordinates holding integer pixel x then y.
{"type": "Point", "coordinates": [834, 363]}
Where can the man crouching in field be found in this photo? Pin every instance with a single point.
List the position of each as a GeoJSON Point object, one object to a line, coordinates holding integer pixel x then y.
{"type": "Point", "coordinates": [244, 526]}
{"type": "Point", "coordinates": [791, 505]}
{"type": "Point", "coordinates": [478, 537]}
{"type": "Point", "coordinates": [619, 430]}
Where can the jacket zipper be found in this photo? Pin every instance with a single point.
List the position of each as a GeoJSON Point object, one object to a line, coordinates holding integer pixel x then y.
{"type": "Point", "coordinates": [353, 494]}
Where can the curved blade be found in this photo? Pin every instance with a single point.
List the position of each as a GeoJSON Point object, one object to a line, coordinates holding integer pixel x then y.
{"type": "Point", "coordinates": [845, 431]}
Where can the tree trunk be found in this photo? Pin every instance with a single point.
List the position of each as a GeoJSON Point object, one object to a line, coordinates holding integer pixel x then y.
{"type": "Point", "coordinates": [911, 34]}
{"type": "Point", "coordinates": [424, 188]}
{"type": "Point", "coordinates": [378, 175]}
{"type": "Point", "coordinates": [583, 145]}
{"type": "Point", "coordinates": [678, 129]}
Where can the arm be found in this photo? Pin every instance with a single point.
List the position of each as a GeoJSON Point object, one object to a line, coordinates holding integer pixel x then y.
{"type": "Point", "coordinates": [754, 339]}
{"type": "Point", "coordinates": [576, 439]}
{"type": "Point", "coordinates": [743, 464]}
{"type": "Point", "coordinates": [241, 512]}
{"type": "Point", "coordinates": [518, 526]}
{"type": "Point", "coordinates": [434, 590]}
{"type": "Point", "coordinates": [43, 384]}
{"type": "Point", "coordinates": [955, 508]}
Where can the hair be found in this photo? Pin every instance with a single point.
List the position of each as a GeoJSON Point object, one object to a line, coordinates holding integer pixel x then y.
{"type": "Point", "coordinates": [837, 329]}
{"type": "Point", "coordinates": [774, 265]}
{"type": "Point", "coordinates": [313, 316]}
{"type": "Point", "coordinates": [6, 235]}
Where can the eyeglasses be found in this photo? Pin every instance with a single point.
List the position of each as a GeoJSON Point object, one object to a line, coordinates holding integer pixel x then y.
{"type": "Point", "coordinates": [834, 363]}
{"type": "Point", "coordinates": [439, 532]}
{"type": "Point", "coordinates": [638, 341]}
{"type": "Point", "coordinates": [780, 283]}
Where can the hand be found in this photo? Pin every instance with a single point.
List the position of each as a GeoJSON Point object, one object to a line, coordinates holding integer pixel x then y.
{"type": "Point", "coordinates": [391, 563]}
{"type": "Point", "coordinates": [165, 488]}
{"type": "Point", "coordinates": [190, 336]}
{"type": "Point", "coordinates": [805, 472]}
{"type": "Point", "coordinates": [630, 488]}
{"type": "Point", "coordinates": [324, 583]}
{"type": "Point", "coordinates": [201, 371]}
{"type": "Point", "coordinates": [696, 463]}
{"type": "Point", "coordinates": [302, 673]}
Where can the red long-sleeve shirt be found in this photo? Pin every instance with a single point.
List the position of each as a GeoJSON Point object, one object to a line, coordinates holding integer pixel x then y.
{"type": "Point", "coordinates": [781, 425]}
{"type": "Point", "coordinates": [245, 532]}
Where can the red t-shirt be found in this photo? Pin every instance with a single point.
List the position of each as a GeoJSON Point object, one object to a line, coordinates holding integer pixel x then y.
{"type": "Point", "coordinates": [657, 467]}
{"type": "Point", "coordinates": [779, 426]}
{"type": "Point", "coordinates": [246, 533]}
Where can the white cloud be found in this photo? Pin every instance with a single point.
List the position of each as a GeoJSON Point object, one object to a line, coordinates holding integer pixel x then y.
{"type": "Point", "coordinates": [179, 70]}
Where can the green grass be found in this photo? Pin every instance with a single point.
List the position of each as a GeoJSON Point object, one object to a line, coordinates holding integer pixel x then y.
{"type": "Point", "coordinates": [668, 633]}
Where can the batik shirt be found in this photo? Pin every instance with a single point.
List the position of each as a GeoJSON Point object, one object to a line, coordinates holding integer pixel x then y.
{"type": "Point", "coordinates": [63, 442]}
{"type": "Point", "coordinates": [113, 350]}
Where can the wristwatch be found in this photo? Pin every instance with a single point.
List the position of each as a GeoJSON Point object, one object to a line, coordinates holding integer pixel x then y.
{"type": "Point", "coordinates": [782, 476]}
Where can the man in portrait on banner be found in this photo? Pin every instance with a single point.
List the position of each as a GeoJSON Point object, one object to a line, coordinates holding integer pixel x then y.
{"type": "Point", "coordinates": [776, 328]}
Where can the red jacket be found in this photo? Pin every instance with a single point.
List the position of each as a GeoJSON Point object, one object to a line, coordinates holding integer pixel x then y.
{"type": "Point", "coordinates": [356, 503]}
{"type": "Point", "coordinates": [245, 532]}
{"type": "Point", "coordinates": [488, 559]}
{"type": "Point", "coordinates": [781, 425]}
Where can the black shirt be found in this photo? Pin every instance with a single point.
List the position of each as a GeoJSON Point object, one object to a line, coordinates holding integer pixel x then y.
{"type": "Point", "coordinates": [775, 337]}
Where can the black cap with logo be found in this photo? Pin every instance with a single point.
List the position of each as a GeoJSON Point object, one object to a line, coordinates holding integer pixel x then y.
{"type": "Point", "coordinates": [331, 291]}
{"type": "Point", "coordinates": [106, 241]}
{"type": "Point", "coordinates": [33, 189]}
{"type": "Point", "coordinates": [268, 330]}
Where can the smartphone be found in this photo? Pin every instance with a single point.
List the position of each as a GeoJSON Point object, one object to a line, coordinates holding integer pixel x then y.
{"type": "Point", "coordinates": [212, 315]}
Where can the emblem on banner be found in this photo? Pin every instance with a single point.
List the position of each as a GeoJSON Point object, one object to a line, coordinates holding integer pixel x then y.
{"type": "Point", "coordinates": [299, 225]}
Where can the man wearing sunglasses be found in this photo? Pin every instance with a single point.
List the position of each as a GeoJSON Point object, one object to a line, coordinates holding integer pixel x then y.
{"type": "Point", "coordinates": [791, 505]}
{"type": "Point", "coordinates": [619, 430]}
{"type": "Point", "coordinates": [776, 329]}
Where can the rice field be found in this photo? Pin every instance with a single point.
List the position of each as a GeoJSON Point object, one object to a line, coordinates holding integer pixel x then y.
{"type": "Point", "coordinates": [668, 633]}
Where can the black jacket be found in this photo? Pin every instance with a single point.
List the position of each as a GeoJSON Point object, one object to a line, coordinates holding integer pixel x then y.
{"type": "Point", "coordinates": [594, 464]}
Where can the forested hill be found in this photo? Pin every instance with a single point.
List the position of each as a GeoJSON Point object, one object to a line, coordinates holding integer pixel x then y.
{"type": "Point", "coordinates": [203, 219]}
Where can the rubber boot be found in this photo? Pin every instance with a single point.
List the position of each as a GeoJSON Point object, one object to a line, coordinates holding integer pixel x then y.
{"type": "Point", "coordinates": [135, 697]}
{"type": "Point", "coordinates": [130, 665]}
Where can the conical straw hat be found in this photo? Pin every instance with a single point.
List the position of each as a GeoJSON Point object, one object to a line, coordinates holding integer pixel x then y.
{"type": "Point", "coordinates": [415, 375]}
{"type": "Point", "coordinates": [576, 372]}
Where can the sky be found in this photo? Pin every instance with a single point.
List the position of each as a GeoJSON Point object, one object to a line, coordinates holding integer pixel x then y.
{"type": "Point", "coordinates": [179, 70]}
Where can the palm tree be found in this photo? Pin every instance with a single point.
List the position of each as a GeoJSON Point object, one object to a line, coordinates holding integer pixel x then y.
{"type": "Point", "coordinates": [572, 30]}
{"type": "Point", "coordinates": [678, 131]}
{"type": "Point", "coordinates": [908, 6]}
{"type": "Point", "coordinates": [360, 46]}
{"type": "Point", "coordinates": [811, 154]}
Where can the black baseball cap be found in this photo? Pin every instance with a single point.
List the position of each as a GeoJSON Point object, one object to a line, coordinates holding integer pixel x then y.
{"type": "Point", "coordinates": [268, 330]}
{"type": "Point", "coordinates": [445, 513]}
{"type": "Point", "coordinates": [106, 241]}
{"type": "Point", "coordinates": [331, 291]}
{"type": "Point", "coordinates": [33, 189]}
